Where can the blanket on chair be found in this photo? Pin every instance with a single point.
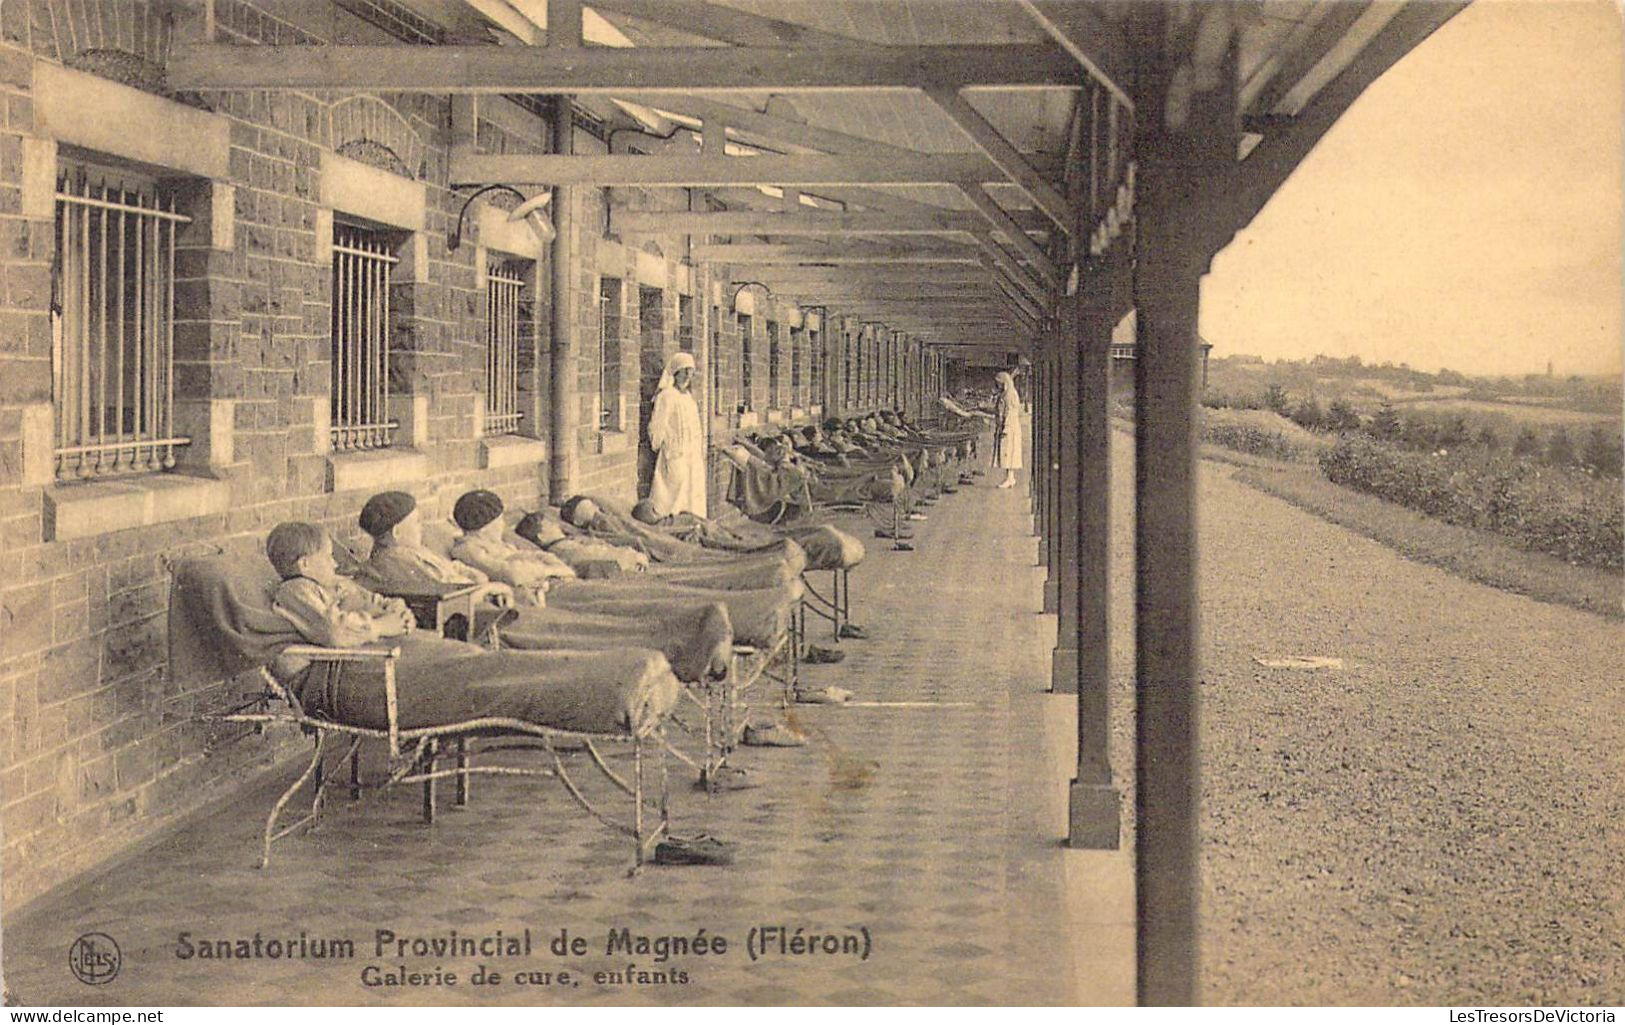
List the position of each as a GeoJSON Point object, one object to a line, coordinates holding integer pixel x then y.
{"type": "Point", "coordinates": [221, 623]}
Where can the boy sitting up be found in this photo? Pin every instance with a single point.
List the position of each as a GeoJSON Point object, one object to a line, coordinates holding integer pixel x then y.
{"type": "Point", "coordinates": [479, 514]}
{"type": "Point", "coordinates": [326, 608]}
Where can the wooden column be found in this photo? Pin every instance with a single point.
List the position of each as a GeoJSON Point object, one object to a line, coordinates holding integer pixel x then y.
{"type": "Point", "coordinates": [1185, 147]}
{"type": "Point", "coordinates": [1095, 805]}
{"type": "Point", "coordinates": [1041, 436]}
{"type": "Point", "coordinates": [1064, 467]}
{"type": "Point", "coordinates": [1045, 463]}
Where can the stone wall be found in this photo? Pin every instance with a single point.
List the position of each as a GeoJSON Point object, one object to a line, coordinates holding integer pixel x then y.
{"type": "Point", "coordinates": [98, 746]}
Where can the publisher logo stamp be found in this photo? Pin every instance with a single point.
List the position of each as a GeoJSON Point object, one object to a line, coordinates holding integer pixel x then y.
{"type": "Point", "coordinates": [94, 959]}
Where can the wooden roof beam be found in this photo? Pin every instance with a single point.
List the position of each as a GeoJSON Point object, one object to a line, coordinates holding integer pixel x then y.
{"type": "Point", "coordinates": [1255, 180]}
{"type": "Point", "coordinates": [700, 170]}
{"type": "Point", "coordinates": [1091, 39]}
{"type": "Point", "coordinates": [788, 255]}
{"type": "Point", "coordinates": [752, 125]}
{"type": "Point", "coordinates": [996, 259]}
{"type": "Point", "coordinates": [1004, 156]}
{"type": "Point", "coordinates": [824, 222]}
{"type": "Point", "coordinates": [531, 69]}
{"type": "Point", "coordinates": [1001, 221]}
{"type": "Point", "coordinates": [724, 24]}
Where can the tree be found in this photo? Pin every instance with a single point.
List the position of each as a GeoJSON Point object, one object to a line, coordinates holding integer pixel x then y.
{"type": "Point", "coordinates": [1307, 414]}
{"type": "Point", "coordinates": [1385, 424]}
{"type": "Point", "coordinates": [1275, 399]}
{"type": "Point", "coordinates": [1559, 449]}
{"type": "Point", "coordinates": [1527, 443]}
{"type": "Point", "coordinates": [1602, 452]}
{"type": "Point", "coordinates": [1340, 416]}
{"type": "Point", "coordinates": [1452, 433]}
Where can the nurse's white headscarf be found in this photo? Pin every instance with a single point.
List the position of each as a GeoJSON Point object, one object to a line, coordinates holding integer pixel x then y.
{"type": "Point", "coordinates": [676, 361]}
{"type": "Point", "coordinates": [1008, 383]}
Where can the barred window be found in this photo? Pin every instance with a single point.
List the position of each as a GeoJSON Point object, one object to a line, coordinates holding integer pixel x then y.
{"type": "Point", "coordinates": [685, 322]}
{"type": "Point", "coordinates": [609, 354]}
{"type": "Point", "coordinates": [815, 368]}
{"type": "Point", "coordinates": [504, 320]}
{"type": "Point", "coordinates": [846, 368]}
{"type": "Point", "coordinates": [363, 266]}
{"type": "Point", "coordinates": [715, 358]}
{"type": "Point", "coordinates": [774, 399]}
{"type": "Point", "coordinates": [745, 367]}
{"type": "Point", "coordinates": [796, 347]}
{"type": "Point", "coordinates": [112, 324]}
{"type": "Point", "coordinates": [862, 385]}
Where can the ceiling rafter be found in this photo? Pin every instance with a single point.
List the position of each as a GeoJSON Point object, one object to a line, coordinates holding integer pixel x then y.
{"type": "Point", "coordinates": [699, 170]}
{"type": "Point", "coordinates": [1094, 41]}
{"type": "Point", "coordinates": [822, 222]}
{"type": "Point", "coordinates": [1006, 225]}
{"type": "Point", "coordinates": [1005, 156]}
{"type": "Point", "coordinates": [566, 69]}
{"type": "Point", "coordinates": [724, 24]}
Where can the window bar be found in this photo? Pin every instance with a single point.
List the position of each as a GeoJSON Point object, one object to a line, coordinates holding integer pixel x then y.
{"type": "Point", "coordinates": [169, 343]}
{"type": "Point", "coordinates": [116, 291]}
{"type": "Point", "coordinates": [353, 356]}
{"type": "Point", "coordinates": [99, 433]}
{"type": "Point", "coordinates": [147, 344]}
{"type": "Point", "coordinates": [373, 342]}
{"type": "Point", "coordinates": [83, 463]}
{"type": "Point", "coordinates": [381, 384]}
{"type": "Point", "coordinates": [341, 307]}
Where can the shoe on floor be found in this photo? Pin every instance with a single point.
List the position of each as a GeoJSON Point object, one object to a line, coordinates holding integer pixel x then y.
{"type": "Point", "coordinates": [902, 546]}
{"type": "Point", "coordinates": [824, 696]}
{"type": "Point", "coordinates": [853, 632]}
{"type": "Point", "coordinates": [822, 656]}
{"type": "Point", "coordinates": [918, 516]}
{"type": "Point", "coordinates": [902, 533]}
{"type": "Point", "coordinates": [772, 735]}
{"type": "Point", "coordinates": [725, 777]}
{"type": "Point", "coordinates": [694, 850]}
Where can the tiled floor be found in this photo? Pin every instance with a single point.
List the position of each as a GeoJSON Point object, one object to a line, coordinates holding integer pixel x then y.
{"type": "Point", "coordinates": [935, 826]}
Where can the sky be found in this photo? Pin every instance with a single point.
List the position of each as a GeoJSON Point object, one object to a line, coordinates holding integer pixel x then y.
{"type": "Point", "coordinates": [1464, 213]}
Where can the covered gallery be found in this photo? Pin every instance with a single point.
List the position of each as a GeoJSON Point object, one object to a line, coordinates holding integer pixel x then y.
{"type": "Point", "coordinates": [260, 263]}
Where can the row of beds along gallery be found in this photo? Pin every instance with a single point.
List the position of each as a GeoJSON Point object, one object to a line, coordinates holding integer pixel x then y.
{"type": "Point", "coordinates": [589, 638]}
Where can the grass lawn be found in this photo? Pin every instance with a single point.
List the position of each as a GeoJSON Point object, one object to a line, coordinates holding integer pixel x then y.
{"type": "Point", "coordinates": [1461, 550]}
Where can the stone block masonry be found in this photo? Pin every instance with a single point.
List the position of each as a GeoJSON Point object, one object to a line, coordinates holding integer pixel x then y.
{"type": "Point", "coordinates": [98, 745]}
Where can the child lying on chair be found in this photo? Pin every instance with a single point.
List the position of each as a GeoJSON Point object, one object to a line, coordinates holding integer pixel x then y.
{"type": "Point", "coordinates": [479, 514]}
{"type": "Point", "coordinates": [400, 558]}
{"type": "Point", "coordinates": [326, 608]}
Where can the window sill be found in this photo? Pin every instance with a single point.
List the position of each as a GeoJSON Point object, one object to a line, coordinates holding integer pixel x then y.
{"type": "Point", "coordinates": [611, 441]}
{"type": "Point", "coordinates": [775, 416]}
{"type": "Point", "coordinates": [749, 418]}
{"type": "Point", "coordinates": [94, 508]}
{"type": "Point", "coordinates": [501, 450]}
{"type": "Point", "coordinates": [380, 470]}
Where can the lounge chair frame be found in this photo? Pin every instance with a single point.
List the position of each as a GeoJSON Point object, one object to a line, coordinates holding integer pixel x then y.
{"type": "Point", "coordinates": [414, 753]}
{"type": "Point", "coordinates": [722, 701]}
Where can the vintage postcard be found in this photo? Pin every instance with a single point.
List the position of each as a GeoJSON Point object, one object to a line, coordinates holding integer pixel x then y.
{"type": "Point", "coordinates": [785, 502]}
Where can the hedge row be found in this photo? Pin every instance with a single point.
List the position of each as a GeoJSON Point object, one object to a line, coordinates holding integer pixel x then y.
{"type": "Point", "coordinates": [1560, 511]}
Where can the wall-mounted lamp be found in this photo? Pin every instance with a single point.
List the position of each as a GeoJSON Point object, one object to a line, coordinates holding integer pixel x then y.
{"type": "Point", "coordinates": [733, 300]}
{"type": "Point", "coordinates": [528, 209]}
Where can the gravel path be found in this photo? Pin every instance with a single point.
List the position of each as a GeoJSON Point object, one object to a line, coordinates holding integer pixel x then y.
{"type": "Point", "coordinates": [1441, 821]}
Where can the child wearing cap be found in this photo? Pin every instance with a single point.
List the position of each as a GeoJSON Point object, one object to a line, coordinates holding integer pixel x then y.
{"type": "Point", "coordinates": [482, 546]}
{"type": "Point", "coordinates": [326, 608]}
{"type": "Point", "coordinates": [399, 557]}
